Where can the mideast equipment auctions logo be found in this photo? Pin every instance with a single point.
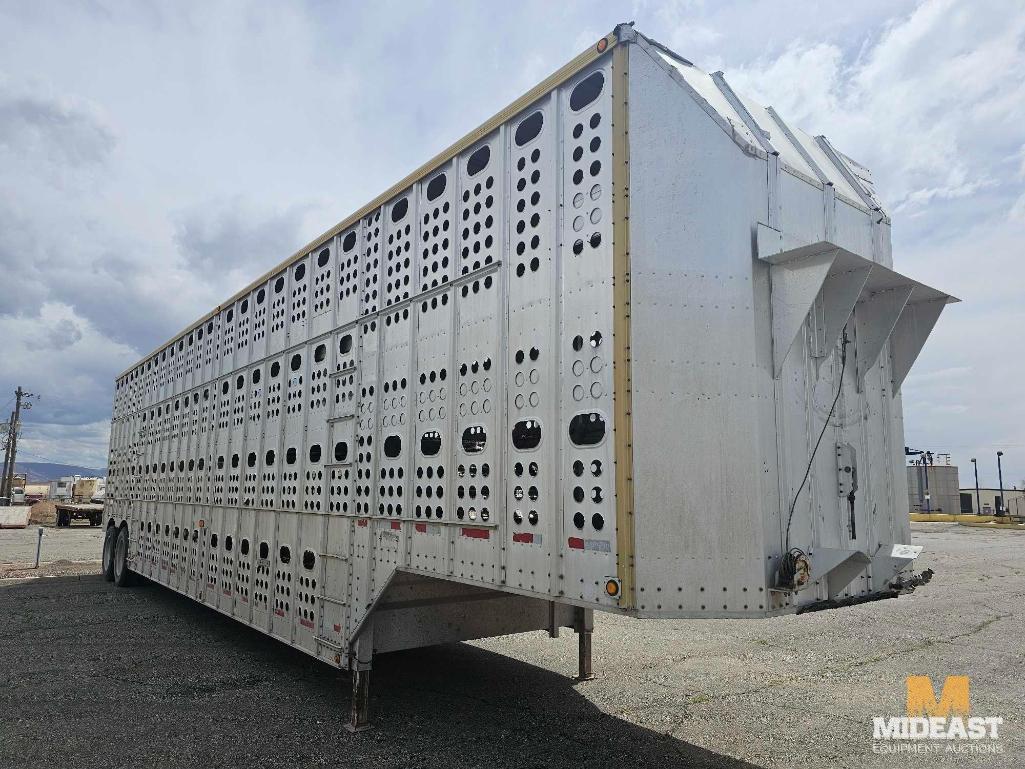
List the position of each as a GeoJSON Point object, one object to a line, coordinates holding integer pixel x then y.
{"type": "Point", "coordinates": [932, 726]}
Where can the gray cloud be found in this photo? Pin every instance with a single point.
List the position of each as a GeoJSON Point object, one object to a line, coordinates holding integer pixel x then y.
{"type": "Point", "coordinates": [63, 334]}
{"type": "Point", "coordinates": [233, 234]}
{"type": "Point", "coordinates": [62, 131]}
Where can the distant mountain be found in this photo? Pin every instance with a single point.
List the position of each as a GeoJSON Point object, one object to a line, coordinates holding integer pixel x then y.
{"type": "Point", "coordinates": [41, 472]}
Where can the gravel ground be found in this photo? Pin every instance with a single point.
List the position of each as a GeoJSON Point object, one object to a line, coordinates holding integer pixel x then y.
{"type": "Point", "coordinates": [78, 542]}
{"type": "Point", "coordinates": [96, 676]}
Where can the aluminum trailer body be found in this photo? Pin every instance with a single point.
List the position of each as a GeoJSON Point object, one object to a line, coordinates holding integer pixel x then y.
{"type": "Point", "coordinates": [581, 360]}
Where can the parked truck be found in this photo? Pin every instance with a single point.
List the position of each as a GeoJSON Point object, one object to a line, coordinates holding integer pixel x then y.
{"type": "Point", "coordinates": [634, 345]}
{"type": "Point", "coordinates": [78, 498]}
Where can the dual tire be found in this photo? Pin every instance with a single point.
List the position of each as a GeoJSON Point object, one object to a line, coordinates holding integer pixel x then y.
{"type": "Point", "coordinates": [115, 557]}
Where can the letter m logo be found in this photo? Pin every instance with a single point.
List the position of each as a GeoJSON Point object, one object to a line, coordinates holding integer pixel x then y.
{"type": "Point", "coordinates": [922, 698]}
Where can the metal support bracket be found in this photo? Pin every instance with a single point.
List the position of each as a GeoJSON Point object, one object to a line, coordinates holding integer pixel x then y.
{"type": "Point", "coordinates": [913, 327]}
{"type": "Point", "coordinates": [840, 282]}
{"type": "Point", "coordinates": [837, 567]}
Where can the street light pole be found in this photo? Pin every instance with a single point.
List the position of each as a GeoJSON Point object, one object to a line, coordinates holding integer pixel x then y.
{"type": "Point", "coordinates": [978, 504]}
{"type": "Point", "coordinates": [928, 497]}
{"type": "Point", "coordinates": [1002, 508]}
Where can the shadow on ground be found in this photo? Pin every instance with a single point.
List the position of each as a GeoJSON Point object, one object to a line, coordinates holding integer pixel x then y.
{"type": "Point", "coordinates": [96, 676]}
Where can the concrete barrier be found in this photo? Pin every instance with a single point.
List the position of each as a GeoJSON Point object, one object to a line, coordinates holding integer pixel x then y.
{"type": "Point", "coordinates": [978, 521]}
{"type": "Point", "coordinates": [14, 517]}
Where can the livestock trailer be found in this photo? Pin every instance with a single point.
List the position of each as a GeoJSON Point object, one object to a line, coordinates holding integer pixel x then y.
{"type": "Point", "coordinates": [634, 345]}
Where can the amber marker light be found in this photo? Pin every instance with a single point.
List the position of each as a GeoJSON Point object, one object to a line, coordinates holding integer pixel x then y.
{"type": "Point", "coordinates": [612, 588]}
{"type": "Point", "coordinates": [602, 45]}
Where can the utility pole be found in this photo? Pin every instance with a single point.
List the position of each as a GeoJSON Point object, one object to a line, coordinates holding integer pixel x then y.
{"type": "Point", "coordinates": [12, 439]}
{"type": "Point", "coordinates": [7, 453]}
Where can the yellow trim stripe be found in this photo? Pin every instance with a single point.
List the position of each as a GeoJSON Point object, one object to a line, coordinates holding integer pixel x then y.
{"type": "Point", "coordinates": [622, 378]}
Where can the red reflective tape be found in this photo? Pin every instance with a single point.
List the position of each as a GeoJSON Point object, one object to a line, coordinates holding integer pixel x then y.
{"type": "Point", "coordinates": [226, 592]}
{"type": "Point", "coordinates": [280, 612]}
{"type": "Point", "coordinates": [477, 533]}
{"type": "Point", "coordinates": [421, 527]}
{"type": "Point", "coordinates": [306, 623]}
{"type": "Point", "coordinates": [338, 628]}
{"type": "Point", "coordinates": [576, 543]}
{"type": "Point", "coordinates": [396, 525]}
{"type": "Point", "coordinates": [523, 536]}
{"type": "Point", "coordinates": [362, 522]}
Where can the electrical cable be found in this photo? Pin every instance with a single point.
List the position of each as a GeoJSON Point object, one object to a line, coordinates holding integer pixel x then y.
{"type": "Point", "coordinates": [790, 555]}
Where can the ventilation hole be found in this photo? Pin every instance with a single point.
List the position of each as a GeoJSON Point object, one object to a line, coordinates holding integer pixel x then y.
{"type": "Point", "coordinates": [345, 346]}
{"type": "Point", "coordinates": [309, 559]}
{"type": "Point", "coordinates": [224, 391]}
{"type": "Point", "coordinates": [275, 369]}
{"type": "Point", "coordinates": [290, 456]}
{"type": "Point", "coordinates": [474, 439]}
{"type": "Point", "coordinates": [269, 458]}
{"type": "Point", "coordinates": [598, 521]}
{"type": "Point", "coordinates": [234, 461]}
{"type": "Point", "coordinates": [239, 384]}
{"type": "Point", "coordinates": [478, 161]}
{"type": "Point", "coordinates": [285, 554]}
{"type": "Point", "coordinates": [322, 257]}
{"type": "Point", "coordinates": [392, 446]}
{"type": "Point", "coordinates": [526, 434]}
{"type": "Point", "coordinates": [264, 550]}
{"type": "Point", "coordinates": [349, 242]}
{"type": "Point", "coordinates": [587, 429]}
{"type": "Point", "coordinates": [213, 540]}
{"type": "Point", "coordinates": [320, 353]}
{"type": "Point", "coordinates": [341, 451]}
{"type": "Point", "coordinates": [586, 91]}
{"type": "Point", "coordinates": [260, 296]}
{"type": "Point", "coordinates": [529, 128]}
{"type": "Point", "coordinates": [300, 272]}
{"type": "Point", "coordinates": [578, 520]}
{"type": "Point", "coordinates": [251, 459]}
{"type": "Point", "coordinates": [256, 376]}
{"type": "Point", "coordinates": [315, 452]}
{"type": "Point", "coordinates": [430, 443]}
{"type": "Point", "coordinates": [398, 211]}
{"type": "Point", "coordinates": [436, 187]}
{"type": "Point", "coordinates": [279, 285]}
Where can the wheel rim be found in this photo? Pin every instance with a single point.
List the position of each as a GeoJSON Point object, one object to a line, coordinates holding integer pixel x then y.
{"type": "Point", "coordinates": [108, 550]}
{"type": "Point", "coordinates": [121, 555]}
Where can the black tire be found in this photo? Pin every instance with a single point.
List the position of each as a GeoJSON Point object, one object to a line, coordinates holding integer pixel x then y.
{"type": "Point", "coordinates": [122, 576]}
{"type": "Point", "coordinates": [109, 545]}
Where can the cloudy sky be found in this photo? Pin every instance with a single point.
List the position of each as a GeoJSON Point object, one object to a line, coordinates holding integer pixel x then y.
{"type": "Point", "coordinates": [155, 157]}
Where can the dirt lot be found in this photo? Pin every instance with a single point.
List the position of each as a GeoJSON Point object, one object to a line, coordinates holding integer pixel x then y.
{"type": "Point", "coordinates": [96, 676]}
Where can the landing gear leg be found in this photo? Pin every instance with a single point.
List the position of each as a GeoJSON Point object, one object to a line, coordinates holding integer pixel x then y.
{"type": "Point", "coordinates": [360, 662]}
{"type": "Point", "coordinates": [584, 628]}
